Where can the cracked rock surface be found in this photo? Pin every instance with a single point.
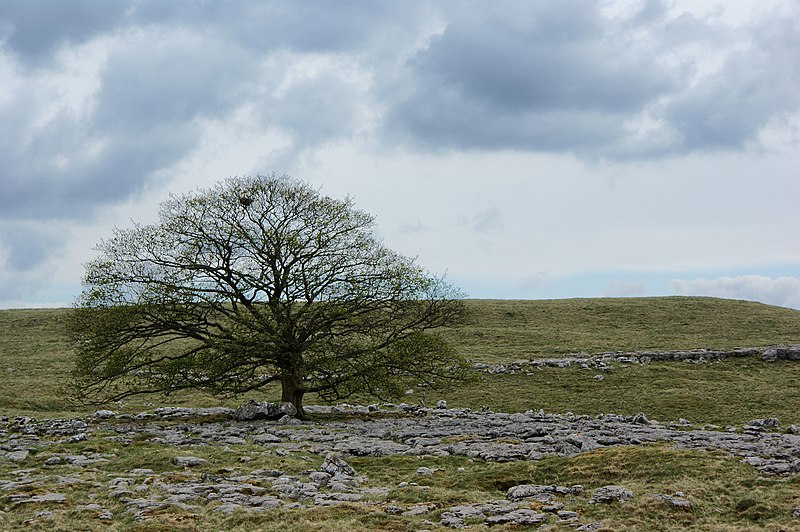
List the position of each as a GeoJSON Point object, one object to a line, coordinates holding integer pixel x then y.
{"type": "Point", "coordinates": [387, 430]}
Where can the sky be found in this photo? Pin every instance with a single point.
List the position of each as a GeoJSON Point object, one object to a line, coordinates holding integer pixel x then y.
{"type": "Point", "coordinates": [525, 149]}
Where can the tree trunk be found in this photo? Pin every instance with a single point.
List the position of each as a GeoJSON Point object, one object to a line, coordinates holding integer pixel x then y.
{"type": "Point", "coordinates": [291, 392]}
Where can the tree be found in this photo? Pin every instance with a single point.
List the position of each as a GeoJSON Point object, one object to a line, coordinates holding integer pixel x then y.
{"type": "Point", "coordinates": [255, 281]}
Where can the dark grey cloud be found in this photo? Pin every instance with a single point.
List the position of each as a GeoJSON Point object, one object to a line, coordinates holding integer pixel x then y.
{"type": "Point", "coordinates": [34, 28]}
{"type": "Point", "coordinates": [567, 77]}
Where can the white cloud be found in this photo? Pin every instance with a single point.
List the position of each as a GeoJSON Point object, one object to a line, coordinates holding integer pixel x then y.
{"type": "Point", "coordinates": [780, 291]}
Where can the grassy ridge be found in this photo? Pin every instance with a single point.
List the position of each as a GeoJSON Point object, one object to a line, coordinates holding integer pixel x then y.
{"type": "Point", "coordinates": [500, 330]}
{"type": "Point", "coordinates": [35, 360]}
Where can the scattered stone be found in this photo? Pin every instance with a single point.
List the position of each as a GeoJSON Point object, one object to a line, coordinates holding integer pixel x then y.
{"type": "Point", "coordinates": [441, 404]}
{"type": "Point", "coordinates": [289, 420]}
{"type": "Point", "coordinates": [425, 471]}
{"type": "Point", "coordinates": [263, 439]}
{"type": "Point", "coordinates": [46, 498]}
{"type": "Point", "coordinates": [78, 438]}
{"type": "Point", "coordinates": [517, 517]}
{"type": "Point", "coordinates": [675, 500]}
{"type": "Point", "coordinates": [640, 419]}
{"type": "Point", "coordinates": [609, 494]}
{"type": "Point", "coordinates": [53, 460]}
{"type": "Point", "coordinates": [141, 471]}
{"type": "Point", "coordinates": [256, 410]}
{"type": "Point", "coordinates": [766, 423]}
{"type": "Point", "coordinates": [599, 378]}
{"type": "Point", "coordinates": [796, 512]}
{"type": "Point", "coordinates": [188, 461]}
{"type": "Point", "coordinates": [334, 464]}
{"type": "Point", "coordinates": [565, 515]}
{"type": "Point", "coordinates": [419, 510]}
{"type": "Point", "coordinates": [17, 456]}
{"type": "Point", "coordinates": [100, 512]}
{"type": "Point", "coordinates": [528, 491]}
{"type": "Point", "coordinates": [104, 414]}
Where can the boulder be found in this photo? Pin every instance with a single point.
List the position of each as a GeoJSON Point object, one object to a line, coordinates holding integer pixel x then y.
{"type": "Point", "coordinates": [256, 410]}
{"type": "Point", "coordinates": [188, 461]}
{"type": "Point", "coordinates": [608, 494]}
{"type": "Point", "coordinates": [334, 463]}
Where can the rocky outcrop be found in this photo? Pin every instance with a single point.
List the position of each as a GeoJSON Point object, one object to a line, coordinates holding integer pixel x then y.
{"type": "Point", "coordinates": [605, 360]}
{"type": "Point", "coordinates": [256, 410]}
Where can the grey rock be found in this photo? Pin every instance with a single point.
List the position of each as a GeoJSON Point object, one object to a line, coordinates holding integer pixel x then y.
{"type": "Point", "coordinates": [17, 456]}
{"type": "Point", "coordinates": [766, 423]}
{"type": "Point", "coordinates": [517, 517]}
{"type": "Point", "coordinates": [425, 471]}
{"type": "Point", "coordinates": [45, 498]}
{"type": "Point", "coordinates": [609, 494]}
{"type": "Point", "coordinates": [675, 500]}
{"type": "Point", "coordinates": [289, 420]}
{"type": "Point", "coordinates": [256, 410]}
{"type": "Point", "coordinates": [441, 404]}
{"type": "Point", "coordinates": [796, 512]}
{"type": "Point", "coordinates": [77, 438]}
{"type": "Point", "coordinates": [527, 491]}
{"type": "Point", "coordinates": [419, 510]}
{"type": "Point", "coordinates": [99, 511]}
{"type": "Point", "coordinates": [141, 471]}
{"type": "Point", "coordinates": [335, 464]}
{"type": "Point", "coordinates": [188, 461]}
{"type": "Point", "coordinates": [263, 439]}
{"type": "Point", "coordinates": [770, 355]}
{"type": "Point", "coordinates": [104, 414]}
{"type": "Point", "coordinates": [320, 478]}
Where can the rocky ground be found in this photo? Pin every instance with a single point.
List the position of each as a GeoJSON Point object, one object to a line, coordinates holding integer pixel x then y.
{"type": "Point", "coordinates": [37, 446]}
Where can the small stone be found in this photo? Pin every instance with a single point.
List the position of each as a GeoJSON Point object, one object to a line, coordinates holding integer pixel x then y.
{"type": "Point", "coordinates": [419, 510]}
{"type": "Point", "coordinates": [599, 378]}
{"type": "Point", "coordinates": [796, 512]}
{"type": "Point", "coordinates": [18, 456]}
{"type": "Point", "coordinates": [78, 438]}
{"type": "Point", "coordinates": [47, 497]}
{"type": "Point", "coordinates": [188, 461]}
{"type": "Point", "coordinates": [289, 420]}
{"type": "Point", "coordinates": [441, 404]}
{"type": "Point", "coordinates": [262, 439]}
{"type": "Point", "coordinates": [334, 463]}
{"type": "Point", "coordinates": [609, 494]}
{"type": "Point", "coordinates": [104, 414]}
{"type": "Point", "coordinates": [53, 460]}
{"type": "Point", "coordinates": [640, 419]}
{"type": "Point", "coordinates": [425, 471]}
{"type": "Point", "coordinates": [44, 514]}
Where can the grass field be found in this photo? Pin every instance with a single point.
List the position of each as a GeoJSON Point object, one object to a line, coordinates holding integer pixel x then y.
{"type": "Point", "coordinates": [35, 362]}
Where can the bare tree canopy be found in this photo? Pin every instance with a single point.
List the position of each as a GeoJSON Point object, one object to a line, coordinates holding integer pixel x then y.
{"type": "Point", "coordinates": [260, 280]}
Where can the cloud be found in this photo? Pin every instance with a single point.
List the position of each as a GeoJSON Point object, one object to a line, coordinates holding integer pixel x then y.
{"type": "Point", "coordinates": [487, 220]}
{"type": "Point", "coordinates": [780, 291]}
{"type": "Point", "coordinates": [25, 250]}
{"type": "Point", "coordinates": [566, 77]}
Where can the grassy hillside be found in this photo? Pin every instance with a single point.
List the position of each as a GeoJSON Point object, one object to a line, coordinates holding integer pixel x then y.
{"type": "Point", "coordinates": [726, 494]}
{"type": "Point", "coordinates": [498, 331]}
{"type": "Point", "coordinates": [35, 359]}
